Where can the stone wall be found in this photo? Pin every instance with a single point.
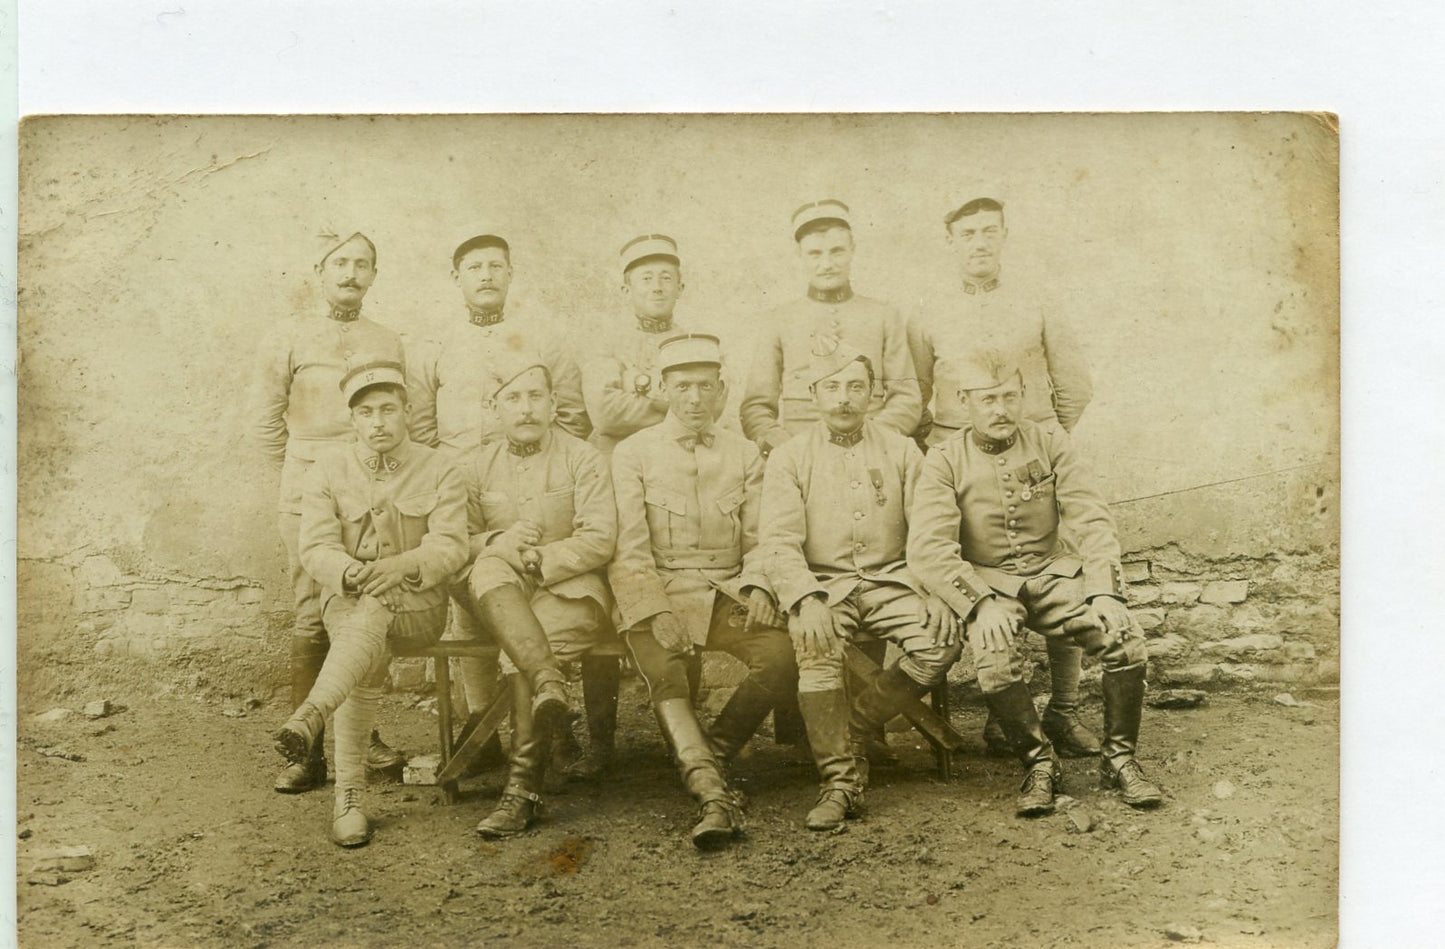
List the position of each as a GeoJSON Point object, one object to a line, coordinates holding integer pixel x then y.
{"type": "Point", "coordinates": [1197, 254]}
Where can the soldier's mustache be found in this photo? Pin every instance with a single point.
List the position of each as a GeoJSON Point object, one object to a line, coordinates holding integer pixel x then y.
{"type": "Point", "coordinates": [352, 284]}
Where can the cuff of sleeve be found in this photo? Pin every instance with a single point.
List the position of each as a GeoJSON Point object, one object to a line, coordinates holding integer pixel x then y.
{"type": "Point", "coordinates": [637, 607]}
{"type": "Point", "coordinates": [793, 597]}
{"type": "Point", "coordinates": [1103, 579]}
{"type": "Point", "coordinates": [964, 595]}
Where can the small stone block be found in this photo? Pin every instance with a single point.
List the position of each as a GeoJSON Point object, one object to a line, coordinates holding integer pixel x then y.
{"type": "Point", "coordinates": [421, 769]}
{"type": "Point", "coordinates": [64, 860]}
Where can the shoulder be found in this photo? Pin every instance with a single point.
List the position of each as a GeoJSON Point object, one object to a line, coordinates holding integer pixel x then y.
{"type": "Point", "coordinates": [635, 447]}
{"type": "Point", "coordinates": [735, 443]}
{"type": "Point", "coordinates": [875, 307]}
{"type": "Point", "coordinates": [898, 446]}
{"type": "Point", "coordinates": [578, 451]}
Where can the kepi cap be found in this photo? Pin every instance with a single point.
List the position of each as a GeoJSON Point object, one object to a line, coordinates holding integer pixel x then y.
{"type": "Point", "coordinates": [379, 372]}
{"type": "Point", "coordinates": [687, 350]}
{"type": "Point", "coordinates": [645, 246]}
{"type": "Point", "coordinates": [478, 241]}
{"type": "Point", "coordinates": [984, 369]}
{"type": "Point", "coordinates": [828, 209]}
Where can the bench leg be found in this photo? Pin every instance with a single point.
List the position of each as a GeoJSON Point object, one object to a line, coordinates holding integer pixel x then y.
{"type": "Point", "coordinates": [444, 722]}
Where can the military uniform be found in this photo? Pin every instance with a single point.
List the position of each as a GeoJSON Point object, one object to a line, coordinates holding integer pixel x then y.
{"type": "Point", "coordinates": [447, 378]}
{"type": "Point", "coordinates": [687, 511]}
{"type": "Point", "coordinates": [987, 521]}
{"type": "Point", "coordinates": [1008, 317]}
{"type": "Point", "coordinates": [297, 414]}
{"type": "Point", "coordinates": [776, 404]}
{"type": "Point", "coordinates": [562, 485]}
{"type": "Point", "coordinates": [357, 507]}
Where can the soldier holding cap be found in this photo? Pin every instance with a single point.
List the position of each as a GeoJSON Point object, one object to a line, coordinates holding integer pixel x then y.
{"type": "Point", "coordinates": [297, 414]}
{"type": "Point", "coordinates": [776, 403]}
{"type": "Point", "coordinates": [446, 377]}
{"type": "Point", "coordinates": [620, 385]}
{"type": "Point", "coordinates": [687, 575]}
{"type": "Point", "coordinates": [383, 529]}
{"type": "Point", "coordinates": [542, 526]}
{"type": "Point", "coordinates": [835, 526]}
{"type": "Point", "coordinates": [1015, 318]}
{"type": "Point", "coordinates": [986, 537]}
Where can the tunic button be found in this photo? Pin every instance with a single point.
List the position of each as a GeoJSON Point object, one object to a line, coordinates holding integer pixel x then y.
{"type": "Point", "coordinates": [857, 515]}
{"type": "Point", "coordinates": [1013, 523]}
{"type": "Point", "coordinates": [857, 484]}
{"type": "Point", "coordinates": [1008, 494]}
{"type": "Point", "coordinates": [1013, 533]}
{"type": "Point", "coordinates": [347, 354]}
{"type": "Point", "coordinates": [1006, 476]}
{"type": "Point", "coordinates": [377, 512]}
{"type": "Point", "coordinates": [1002, 462]}
{"type": "Point", "coordinates": [711, 558]}
{"type": "Point", "coordinates": [1012, 508]}
{"type": "Point", "coordinates": [847, 454]}
{"type": "Point", "coordinates": [859, 546]}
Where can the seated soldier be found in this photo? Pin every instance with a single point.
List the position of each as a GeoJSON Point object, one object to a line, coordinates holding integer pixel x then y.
{"type": "Point", "coordinates": [687, 575]}
{"type": "Point", "coordinates": [986, 537]}
{"type": "Point", "coordinates": [834, 529]}
{"type": "Point", "coordinates": [542, 525]}
{"type": "Point", "coordinates": [383, 527]}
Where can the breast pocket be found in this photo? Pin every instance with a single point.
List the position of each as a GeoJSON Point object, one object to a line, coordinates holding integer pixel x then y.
{"type": "Point", "coordinates": [558, 513]}
{"type": "Point", "coordinates": [413, 512]}
{"type": "Point", "coordinates": [731, 508]}
{"type": "Point", "coordinates": [666, 515]}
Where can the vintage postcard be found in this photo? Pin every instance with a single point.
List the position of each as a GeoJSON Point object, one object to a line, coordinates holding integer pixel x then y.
{"type": "Point", "coordinates": [679, 530]}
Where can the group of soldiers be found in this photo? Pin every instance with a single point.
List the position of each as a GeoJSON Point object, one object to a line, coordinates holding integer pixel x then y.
{"type": "Point", "coordinates": [891, 482]}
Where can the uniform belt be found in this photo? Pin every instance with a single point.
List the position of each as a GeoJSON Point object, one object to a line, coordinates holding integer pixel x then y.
{"type": "Point", "coordinates": [715, 558]}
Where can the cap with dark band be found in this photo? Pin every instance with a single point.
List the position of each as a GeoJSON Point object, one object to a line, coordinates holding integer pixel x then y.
{"type": "Point", "coordinates": [829, 209]}
{"type": "Point", "coordinates": [477, 243]}
{"type": "Point", "coordinates": [647, 247]}
{"type": "Point", "coordinates": [381, 372]}
{"type": "Point", "coordinates": [984, 369]}
{"type": "Point", "coordinates": [689, 349]}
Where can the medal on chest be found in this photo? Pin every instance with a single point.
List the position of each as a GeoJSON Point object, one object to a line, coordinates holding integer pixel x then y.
{"type": "Point", "coordinates": [1029, 476]}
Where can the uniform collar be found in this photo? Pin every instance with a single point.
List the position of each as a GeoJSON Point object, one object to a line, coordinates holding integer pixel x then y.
{"type": "Point", "coordinates": [987, 286]}
{"type": "Point", "coordinates": [842, 295]}
{"type": "Point", "coordinates": [344, 314]}
{"type": "Point", "coordinates": [841, 440]}
{"type": "Point", "coordinates": [990, 446]}
{"type": "Point", "coordinates": [685, 436]}
{"type": "Point", "coordinates": [527, 451]}
{"type": "Point", "coordinates": [378, 463]}
{"type": "Point", "coordinates": [657, 324]}
{"type": "Point", "coordinates": [481, 317]}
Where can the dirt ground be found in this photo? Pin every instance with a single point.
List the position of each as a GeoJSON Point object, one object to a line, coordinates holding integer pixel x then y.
{"type": "Point", "coordinates": [193, 848]}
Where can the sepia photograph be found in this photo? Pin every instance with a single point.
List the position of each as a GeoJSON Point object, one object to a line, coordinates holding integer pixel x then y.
{"type": "Point", "coordinates": [868, 529]}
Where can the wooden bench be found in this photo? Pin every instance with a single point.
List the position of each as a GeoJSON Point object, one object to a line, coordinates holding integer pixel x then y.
{"type": "Point", "coordinates": [931, 723]}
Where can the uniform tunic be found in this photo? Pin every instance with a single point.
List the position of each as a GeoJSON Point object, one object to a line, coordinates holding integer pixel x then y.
{"type": "Point", "coordinates": [359, 506]}
{"type": "Point", "coordinates": [297, 411]}
{"type": "Point", "coordinates": [835, 522]}
{"type": "Point", "coordinates": [776, 403]}
{"type": "Point", "coordinates": [687, 514]}
{"type": "Point", "coordinates": [1021, 324]}
{"type": "Point", "coordinates": [448, 388]}
{"type": "Point", "coordinates": [621, 383]}
{"type": "Point", "coordinates": [565, 489]}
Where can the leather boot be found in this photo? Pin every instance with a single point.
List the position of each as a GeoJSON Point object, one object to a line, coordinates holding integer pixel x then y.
{"type": "Point", "coordinates": [879, 702]}
{"type": "Point", "coordinates": [1014, 709]}
{"type": "Point", "coordinates": [509, 618]}
{"type": "Point", "coordinates": [1070, 737]}
{"type": "Point", "coordinates": [1123, 709]}
{"type": "Point", "coordinates": [520, 799]}
{"type": "Point", "coordinates": [382, 757]}
{"type": "Point", "coordinates": [601, 681]}
{"type": "Point", "coordinates": [840, 794]}
{"type": "Point", "coordinates": [350, 826]}
{"type": "Point", "coordinates": [995, 741]}
{"type": "Point", "coordinates": [739, 719]}
{"type": "Point", "coordinates": [875, 742]}
{"type": "Point", "coordinates": [307, 657]}
{"type": "Point", "coordinates": [719, 819]}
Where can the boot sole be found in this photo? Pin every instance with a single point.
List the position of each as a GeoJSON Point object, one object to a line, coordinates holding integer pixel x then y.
{"type": "Point", "coordinates": [1034, 811]}
{"type": "Point", "coordinates": [299, 788]}
{"type": "Point", "coordinates": [493, 834]}
{"type": "Point", "coordinates": [352, 843]}
{"type": "Point", "coordinates": [1144, 803]}
{"type": "Point", "coordinates": [713, 839]}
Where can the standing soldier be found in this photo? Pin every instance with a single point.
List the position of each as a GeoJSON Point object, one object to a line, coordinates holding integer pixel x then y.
{"type": "Point", "coordinates": [620, 385]}
{"type": "Point", "coordinates": [1014, 318]}
{"type": "Point", "coordinates": [297, 414]}
{"type": "Point", "coordinates": [542, 525]}
{"type": "Point", "coordinates": [383, 529]}
{"type": "Point", "coordinates": [835, 526]}
{"type": "Point", "coordinates": [986, 524]}
{"type": "Point", "coordinates": [687, 575]}
{"type": "Point", "coordinates": [448, 383]}
{"type": "Point", "coordinates": [776, 404]}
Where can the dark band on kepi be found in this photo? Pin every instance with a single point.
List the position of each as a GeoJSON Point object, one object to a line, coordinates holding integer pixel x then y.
{"type": "Point", "coordinates": [829, 210]}
{"type": "Point", "coordinates": [648, 247]}
{"type": "Point", "coordinates": [380, 372]}
{"type": "Point", "coordinates": [689, 349]}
